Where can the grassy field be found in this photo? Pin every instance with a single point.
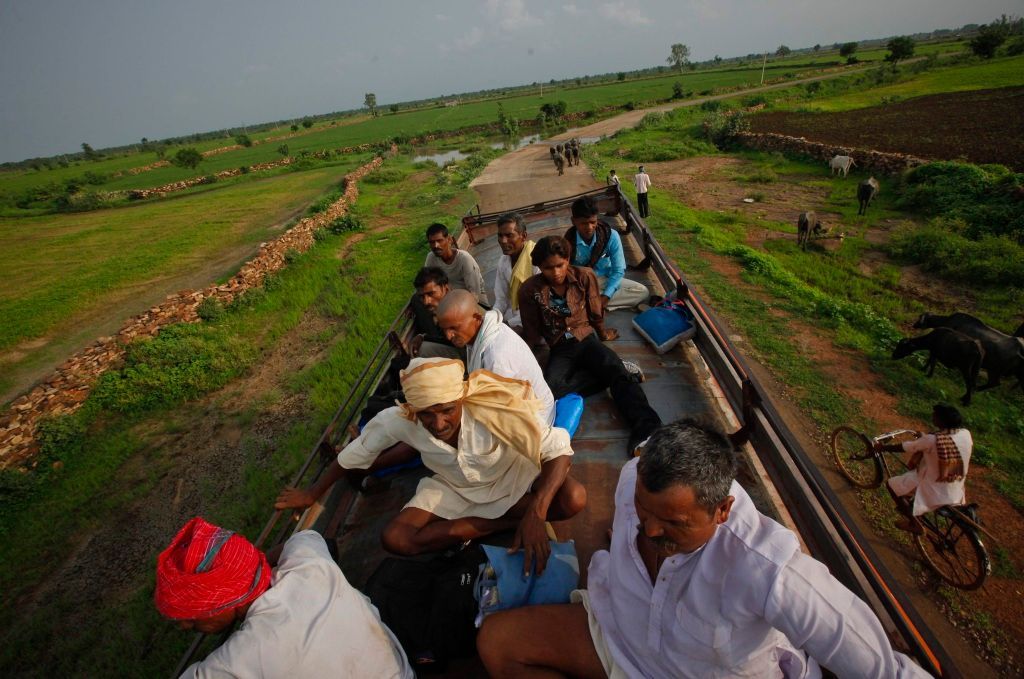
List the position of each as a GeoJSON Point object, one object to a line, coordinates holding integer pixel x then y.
{"type": "Point", "coordinates": [62, 269]}
{"type": "Point", "coordinates": [975, 75]}
{"type": "Point", "coordinates": [349, 301]}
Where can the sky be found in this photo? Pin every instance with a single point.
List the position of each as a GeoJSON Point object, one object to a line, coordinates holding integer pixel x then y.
{"type": "Point", "coordinates": [110, 72]}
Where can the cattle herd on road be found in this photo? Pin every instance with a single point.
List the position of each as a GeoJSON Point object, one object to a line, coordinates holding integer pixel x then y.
{"type": "Point", "coordinates": [567, 153]}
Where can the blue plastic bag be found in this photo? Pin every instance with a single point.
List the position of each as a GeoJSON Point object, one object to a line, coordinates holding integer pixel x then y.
{"type": "Point", "coordinates": [502, 585]}
{"type": "Point", "coordinates": [665, 325]}
{"type": "Point", "coordinates": [568, 411]}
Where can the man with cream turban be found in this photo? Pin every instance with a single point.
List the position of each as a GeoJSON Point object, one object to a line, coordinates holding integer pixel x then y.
{"type": "Point", "coordinates": [301, 619]}
{"type": "Point", "coordinates": [496, 467]}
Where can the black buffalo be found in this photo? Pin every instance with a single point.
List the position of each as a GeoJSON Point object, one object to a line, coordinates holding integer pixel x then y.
{"type": "Point", "coordinates": [866, 190]}
{"type": "Point", "coordinates": [950, 348]}
{"type": "Point", "coordinates": [1004, 355]}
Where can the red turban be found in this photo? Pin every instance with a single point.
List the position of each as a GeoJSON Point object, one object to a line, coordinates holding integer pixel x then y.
{"type": "Point", "coordinates": [207, 570]}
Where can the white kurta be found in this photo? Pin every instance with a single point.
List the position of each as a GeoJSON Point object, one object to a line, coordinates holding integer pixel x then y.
{"type": "Point", "coordinates": [731, 608]}
{"type": "Point", "coordinates": [483, 477]}
{"type": "Point", "coordinates": [498, 349]}
{"type": "Point", "coordinates": [502, 286]}
{"type": "Point", "coordinates": [923, 482]}
{"type": "Point", "coordinates": [310, 623]}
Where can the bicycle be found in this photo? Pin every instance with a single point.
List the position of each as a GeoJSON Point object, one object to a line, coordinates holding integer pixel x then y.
{"type": "Point", "coordinates": [950, 542]}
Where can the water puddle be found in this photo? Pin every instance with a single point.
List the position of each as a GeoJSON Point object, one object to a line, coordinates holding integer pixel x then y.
{"type": "Point", "coordinates": [442, 158]}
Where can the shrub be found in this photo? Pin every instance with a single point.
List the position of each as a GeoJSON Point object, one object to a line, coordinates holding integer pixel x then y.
{"type": "Point", "coordinates": [250, 297]}
{"type": "Point", "coordinates": [243, 140]}
{"type": "Point", "coordinates": [210, 310]}
{"type": "Point", "coordinates": [756, 100]}
{"type": "Point", "coordinates": [651, 120]}
{"type": "Point", "coordinates": [345, 224]}
{"type": "Point", "coordinates": [713, 105]}
{"type": "Point", "coordinates": [294, 128]}
{"type": "Point", "coordinates": [1016, 47]}
{"type": "Point", "coordinates": [291, 255]}
{"type": "Point", "coordinates": [554, 109]}
{"type": "Point", "coordinates": [244, 169]}
{"type": "Point", "coordinates": [384, 176]}
{"type": "Point", "coordinates": [187, 157]}
{"type": "Point", "coordinates": [60, 436]}
{"type": "Point", "coordinates": [721, 129]}
{"type": "Point", "coordinates": [761, 176]}
{"type": "Point", "coordinates": [942, 248]}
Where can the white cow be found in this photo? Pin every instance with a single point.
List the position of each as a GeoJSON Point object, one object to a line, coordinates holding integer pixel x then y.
{"type": "Point", "coordinates": [841, 164]}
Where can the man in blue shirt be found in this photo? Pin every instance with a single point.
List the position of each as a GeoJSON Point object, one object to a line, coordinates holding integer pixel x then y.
{"type": "Point", "coordinates": [599, 247]}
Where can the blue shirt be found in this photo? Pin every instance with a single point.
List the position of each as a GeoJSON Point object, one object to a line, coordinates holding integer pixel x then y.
{"type": "Point", "coordinates": [612, 264]}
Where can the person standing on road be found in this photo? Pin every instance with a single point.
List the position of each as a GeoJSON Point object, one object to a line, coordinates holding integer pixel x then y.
{"type": "Point", "coordinates": [642, 181]}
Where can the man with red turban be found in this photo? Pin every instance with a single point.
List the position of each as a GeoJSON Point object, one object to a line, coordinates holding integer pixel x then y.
{"type": "Point", "coordinates": [497, 464]}
{"type": "Point", "coordinates": [301, 619]}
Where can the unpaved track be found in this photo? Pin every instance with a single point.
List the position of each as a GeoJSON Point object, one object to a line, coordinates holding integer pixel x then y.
{"type": "Point", "coordinates": [528, 176]}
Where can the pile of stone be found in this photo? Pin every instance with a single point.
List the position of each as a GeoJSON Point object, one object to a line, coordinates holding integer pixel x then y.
{"type": "Point", "coordinates": [866, 159]}
{"type": "Point", "coordinates": [65, 390]}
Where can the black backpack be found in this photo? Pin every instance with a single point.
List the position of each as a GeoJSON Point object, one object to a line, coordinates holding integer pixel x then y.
{"type": "Point", "coordinates": [429, 605]}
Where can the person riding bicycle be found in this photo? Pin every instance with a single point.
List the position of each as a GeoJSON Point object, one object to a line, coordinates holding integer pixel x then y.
{"type": "Point", "coordinates": [937, 468]}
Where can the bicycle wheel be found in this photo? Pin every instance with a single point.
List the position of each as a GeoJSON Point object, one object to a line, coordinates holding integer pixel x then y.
{"type": "Point", "coordinates": [855, 457]}
{"type": "Point", "coordinates": [953, 549]}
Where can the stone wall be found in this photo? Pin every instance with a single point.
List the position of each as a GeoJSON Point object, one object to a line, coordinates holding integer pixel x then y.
{"type": "Point", "coordinates": [66, 389]}
{"type": "Point", "coordinates": [866, 159]}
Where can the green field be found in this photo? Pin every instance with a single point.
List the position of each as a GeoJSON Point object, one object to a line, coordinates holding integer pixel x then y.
{"type": "Point", "coordinates": [61, 270]}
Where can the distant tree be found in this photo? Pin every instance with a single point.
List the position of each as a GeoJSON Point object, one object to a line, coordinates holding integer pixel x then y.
{"type": "Point", "coordinates": [847, 49]}
{"type": "Point", "coordinates": [243, 140]}
{"type": "Point", "coordinates": [677, 90]}
{"type": "Point", "coordinates": [393, 108]}
{"type": "Point", "coordinates": [782, 51]}
{"type": "Point", "coordinates": [161, 151]}
{"type": "Point", "coordinates": [989, 39]}
{"type": "Point", "coordinates": [717, 60]}
{"type": "Point", "coordinates": [295, 128]}
{"type": "Point", "coordinates": [899, 49]}
{"type": "Point", "coordinates": [90, 153]}
{"type": "Point", "coordinates": [283, 150]}
{"type": "Point", "coordinates": [370, 102]}
{"type": "Point", "coordinates": [1016, 47]}
{"type": "Point", "coordinates": [817, 48]}
{"type": "Point", "coordinates": [307, 123]}
{"type": "Point", "coordinates": [679, 56]}
{"type": "Point", "coordinates": [621, 76]}
{"type": "Point", "coordinates": [187, 157]}
{"type": "Point", "coordinates": [509, 126]}
{"type": "Point", "coordinates": [554, 109]}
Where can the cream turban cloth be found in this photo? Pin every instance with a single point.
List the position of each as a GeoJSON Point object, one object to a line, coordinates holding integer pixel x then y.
{"type": "Point", "coordinates": [506, 407]}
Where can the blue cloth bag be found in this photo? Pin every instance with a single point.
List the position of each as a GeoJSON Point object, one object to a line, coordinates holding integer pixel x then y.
{"type": "Point", "coordinates": [502, 585]}
{"type": "Point", "coordinates": [665, 325]}
{"type": "Point", "coordinates": [568, 411]}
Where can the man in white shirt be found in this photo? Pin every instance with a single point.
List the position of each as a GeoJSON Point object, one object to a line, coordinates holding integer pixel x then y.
{"type": "Point", "coordinates": [938, 467]}
{"type": "Point", "coordinates": [462, 270]}
{"type": "Point", "coordinates": [301, 619]}
{"type": "Point", "coordinates": [492, 345]}
{"type": "Point", "coordinates": [495, 466]}
{"type": "Point", "coordinates": [513, 269]}
{"type": "Point", "coordinates": [696, 583]}
{"type": "Point", "coordinates": [642, 182]}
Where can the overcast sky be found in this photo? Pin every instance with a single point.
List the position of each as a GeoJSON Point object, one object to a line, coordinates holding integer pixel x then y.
{"type": "Point", "coordinates": [109, 72]}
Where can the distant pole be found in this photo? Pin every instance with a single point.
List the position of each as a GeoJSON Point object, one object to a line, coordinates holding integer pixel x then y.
{"type": "Point", "coordinates": [542, 90]}
{"type": "Point", "coordinates": [763, 64]}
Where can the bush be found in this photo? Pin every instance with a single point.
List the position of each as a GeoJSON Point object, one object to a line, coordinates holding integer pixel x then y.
{"type": "Point", "coordinates": [942, 248]}
{"type": "Point", "coordinates": [713, 105]}
{"type": "Point", "coordinates": [1016, 47]}
{"type": "Point", "coordinates": [243, 140]}
{"type": "Point", "coordinates": [651, 120]}
{"type": "Point", "coordinates": [554, 109]}
{"type": "Point", "coordinates": [986, 198]}
{"type": "Point", "coordinates": [384, 176]}
{"type": "Point", "coordinates": [759, 99]}
{"type": "Point", "coordinates": [210, 310]}
{"type": "Point", "coordinates": [60, 437]}
{"type": "Point", "coordinates": [721, 129]}
{"type": "Point", "coordinates": [244, 169]}
{"type": "Point", "coordinates": [291, 255]}
{"type": "Point", "coordinates": [251, 297]}
{"type": "Point", "coordinates": [677, 90]}
{"type": "Point", "coordinates": [187, 157]}
{"type": "Point", "coordinates": [345, 223]}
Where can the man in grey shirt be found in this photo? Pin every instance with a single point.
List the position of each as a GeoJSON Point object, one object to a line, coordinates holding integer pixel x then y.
{"type": "Point", "coordinates": [462, 270]}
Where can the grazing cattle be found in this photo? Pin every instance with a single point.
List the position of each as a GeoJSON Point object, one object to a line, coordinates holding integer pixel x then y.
{"type": "Point", "coordinates": [575, 155]}
{"type": "Point", "coordinates": [1004, 355]}
{"type": "Point", "coordinates": [866, 190]}
{"type": "Point", "coordinates": [950, 348]}
{"type": "Point", "coordinates": [841, 164]}
{"type": "Point", "coordinates": [806, 223]}
{"type": "Point", "coordinates": [553, 152]}
{"type": "Point", "coordinates": [560, 149]}
{"type": "Point", "coordinates": [560, 164]}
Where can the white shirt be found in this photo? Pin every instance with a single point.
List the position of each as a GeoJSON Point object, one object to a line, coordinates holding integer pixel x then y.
{"type": "Point", "coordinates": [929, 494]}
{"type": "Point", "coordinates": [642, 182]}
{"type": "Point", "coordinates": [501, 351]}
{"type": "Point", "coordinates": [482, 477]}
{"type": "Point", "coordinates": [502, 285]}
{"type": "Point", "coordinates": [727, 609]}
{"type": "Point", "coordinates": [463, 273]}
{"type": "Point", "coordinates": [310, 623]}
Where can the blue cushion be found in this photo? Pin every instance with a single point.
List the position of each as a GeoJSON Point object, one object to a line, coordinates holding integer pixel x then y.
{"type": "Point", "coordinates": [560, 577]}
{"type": "Point", "coordinates": [665, 325]}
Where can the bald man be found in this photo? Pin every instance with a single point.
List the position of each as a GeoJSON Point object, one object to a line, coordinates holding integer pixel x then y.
{"type": "Point", "coordinates": [492, 345]}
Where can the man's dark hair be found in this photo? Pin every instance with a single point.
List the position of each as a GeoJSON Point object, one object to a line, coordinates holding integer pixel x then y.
{"type": "Point", "coordinates": [584, 207]}
{"type": "Point", "coordinates": [689, 453]}
{"type": "Point", "coordinates": [548, 246]}
{"type": "Point", "coordinates": [513, 218]}
{"type": "Point", "coordinates": [430, 274]}
{"type": "Point", "coordinates": [436, 228]}
{"type": "Point", "coordinates": [947, 416]}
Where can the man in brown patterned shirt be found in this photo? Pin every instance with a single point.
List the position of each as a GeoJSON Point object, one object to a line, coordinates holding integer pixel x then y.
{"type": "Point", "coordinates": [561, 306]}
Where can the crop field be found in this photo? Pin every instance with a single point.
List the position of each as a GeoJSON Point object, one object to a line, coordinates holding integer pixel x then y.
{"type": "Point", "coordinates": [981, 126]}
{"type": "Point", "coordinates": [70, 275]}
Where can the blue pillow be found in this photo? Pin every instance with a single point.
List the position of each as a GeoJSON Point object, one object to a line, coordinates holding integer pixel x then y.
{"type": "Point", "coordinates": [665, 325]}
{"type": "Point", "coordinates": [560, 577]}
